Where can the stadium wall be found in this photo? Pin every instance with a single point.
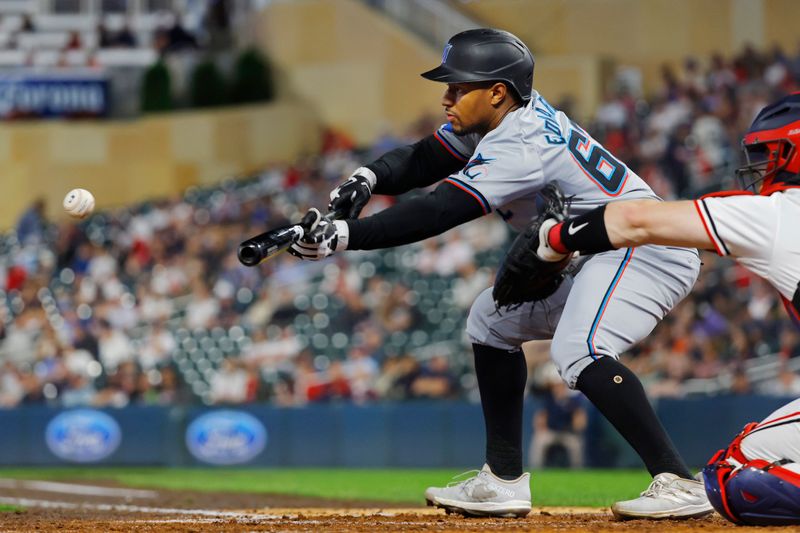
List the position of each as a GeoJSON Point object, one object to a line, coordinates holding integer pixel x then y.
{"type": "Point", "coordinates": [123, 162]}
{"type": "Point", "coordinates": [356, 68]}
{"type": "Point", "coordinates": [360, 71]}
{"type": "Point", "coordinates": [643, 34]}
{"type": "Point", "coordinates": [411, 434]}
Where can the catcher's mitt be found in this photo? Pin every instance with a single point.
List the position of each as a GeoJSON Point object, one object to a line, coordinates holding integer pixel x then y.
{"type": "Point", "coordinates": [523, 276]}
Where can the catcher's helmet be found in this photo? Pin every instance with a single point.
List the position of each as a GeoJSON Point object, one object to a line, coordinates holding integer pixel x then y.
{"type": "Point", "coordinates": [758, 493]}
{"type": "Point", "coordinates": [771, 147]}
{"type": "Point", "coordinates": [486, 55]}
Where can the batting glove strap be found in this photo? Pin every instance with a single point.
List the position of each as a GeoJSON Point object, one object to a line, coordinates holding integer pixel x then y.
{"type": "Point", "coordinates": [368, 175]}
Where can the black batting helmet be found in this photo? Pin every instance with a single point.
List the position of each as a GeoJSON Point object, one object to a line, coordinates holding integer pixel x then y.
{"type": "Point", "coordinates": [485, 54]}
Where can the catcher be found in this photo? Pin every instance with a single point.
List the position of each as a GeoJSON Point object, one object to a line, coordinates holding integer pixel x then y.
{"type": "Point", "coordinates": [761, 232]}
{"type": "Point", "coordinates": [756, 480]}
{"type": "Point", "coordinates": [502, 146]}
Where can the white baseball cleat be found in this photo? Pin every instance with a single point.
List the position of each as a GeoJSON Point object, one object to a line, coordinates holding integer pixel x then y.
{"type": "Point", "coordinates": [668, 496]}
{"type": "Point", "coordinates": [484, 494]}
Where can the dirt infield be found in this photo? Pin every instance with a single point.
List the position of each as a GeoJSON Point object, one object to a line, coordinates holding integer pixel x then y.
{"type": "Point", "coordinates": [80, 507]}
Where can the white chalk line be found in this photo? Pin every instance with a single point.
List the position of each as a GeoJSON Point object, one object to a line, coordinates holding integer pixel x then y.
{"type": "Point", "coordinates": [75, 488]}
{"type": "Point", "coordinates": [199, 516]}
{"type": "Point", "coordinates": [204, 516]}
{"type": "Point", "coordinates": [115, 507]}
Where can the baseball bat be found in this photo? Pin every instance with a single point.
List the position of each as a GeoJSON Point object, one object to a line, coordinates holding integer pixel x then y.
{"type": "Point", "coordinates": [269, 244]}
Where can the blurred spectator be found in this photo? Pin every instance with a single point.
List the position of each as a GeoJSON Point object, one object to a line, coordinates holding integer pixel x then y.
{"type": "Point", "coordinates": [169, 389]}
{"type": "Point", "coordinates": [202, 308]}
{"type": "Point", "coordinates": [229, 384]}
{"type": "Point", "coordinates": [79, 391]}
{"type": "Point", "coordinates": [12, 388]}
{"type": "Point", "coordinates": [218, 24]}
{"type": "Point", "coordinates": [74, 42]}
{"type": "Point", "coordinates": [27, 23]}
{"type": "Point", "coordinates": [787, 384]}
{"type": "Point", "coordinates": [560, 422]}
{"type": "Point", "coordinates": [114, 346]}
{"type": "Point", "coordinates": [175, 38]}
{"type": "Point", "coordinates": [396, 377]}
{"type": "Point", "coordinates": [435, 380]}
{"type": "Point", "coordinates": [361, 371]}
{"type": "Point", "coordinates": [31, 225]}
{"type": "Point", "coordinates": [124, 38]}
{"type": "Point", "coordinates": [740, 384]}
{"type": "Point", "coordinates": [157, 348]}
{"type": "Point", "coordinates": [105, 38]}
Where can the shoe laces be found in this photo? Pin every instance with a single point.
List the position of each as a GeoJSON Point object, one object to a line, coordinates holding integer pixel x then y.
{"type": "Point", "coordinates": [661, 487]}
{"type": "Point", "coordinates": [461, 478]}
{"type": "Point", "coordinates": [657, 486]}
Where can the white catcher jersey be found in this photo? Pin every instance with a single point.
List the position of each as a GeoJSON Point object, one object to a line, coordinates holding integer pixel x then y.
{"type": "Point", "coordinates": [761, 232]}
{"type": "Point", "coordinates": [533, 146]}
{"type": "Point", "coordinates": [777, 437]}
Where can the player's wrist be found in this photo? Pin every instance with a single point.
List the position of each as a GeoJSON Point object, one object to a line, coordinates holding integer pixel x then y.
{"type": "Point", "coordinates": [342, 235]}
{"type": "Point", "coordinates": [546, 251]}
{"type": "Point", "coordinates": [368, 175]}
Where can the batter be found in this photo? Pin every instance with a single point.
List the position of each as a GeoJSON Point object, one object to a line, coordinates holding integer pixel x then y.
{"type": "Point", "coordinates": [503, 143]}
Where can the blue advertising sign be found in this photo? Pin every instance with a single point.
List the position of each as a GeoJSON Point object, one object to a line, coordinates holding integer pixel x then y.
{"type": "Point", "coordinates": [83, 435]}
{"type": "Point", "coordinates": [52, 95]}
{"type": "Point", "coordinates": [226, 437]}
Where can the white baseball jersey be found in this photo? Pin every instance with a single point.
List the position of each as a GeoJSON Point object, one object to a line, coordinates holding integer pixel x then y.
{"type": "Point", "coordinates": [617, 297]}
{"type": "Point", "coordinates": [533, 146]}
{"type": "Point", "coordinates": [776, 438]}
{"type": "Point", "coordinates": [761, 232]}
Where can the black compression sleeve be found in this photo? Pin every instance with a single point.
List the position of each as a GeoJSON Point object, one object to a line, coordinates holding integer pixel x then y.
{"type": "Point", "coordinates": [409, 167]}
{"type": "Point", "coordinates": [415, 219]}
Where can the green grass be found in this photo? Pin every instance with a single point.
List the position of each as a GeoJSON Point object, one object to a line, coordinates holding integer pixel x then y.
{"type": "Point", "coordinates": [551, 487]}
{"type": "Point", "coordinates": [10, 509]}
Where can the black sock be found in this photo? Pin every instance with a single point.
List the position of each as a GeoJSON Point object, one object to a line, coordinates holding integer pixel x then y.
{"type": "Point", "coordinates": [619, 395]}
{"type": "Point", "coordinates": [501, 381]}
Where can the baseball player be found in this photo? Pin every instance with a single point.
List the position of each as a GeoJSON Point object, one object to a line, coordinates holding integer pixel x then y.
{"type": "Point", "coordinates": [756, 480]}
{"type": "Point", "coordinates": [758, 230]}
{"type": "Point", "coordinates": [502, 144]}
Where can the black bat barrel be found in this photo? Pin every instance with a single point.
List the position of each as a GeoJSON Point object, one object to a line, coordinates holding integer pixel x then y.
{"type": "Point", "coordinates": [253, 251]}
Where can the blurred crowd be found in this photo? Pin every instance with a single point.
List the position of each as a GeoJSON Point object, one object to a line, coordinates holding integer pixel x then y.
{"type": "Point", "coordinates": [149, 305]}
{"type": "Point", "coordinates": [69, 36]}
{"type": "Point", "coordinates": [685, 138]}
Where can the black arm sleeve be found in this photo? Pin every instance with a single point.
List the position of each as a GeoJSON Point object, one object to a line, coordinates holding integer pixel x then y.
{"type": "Point", "coordinates": [409, 167]}
{"type": "Point", "coordinates": [415, 219]}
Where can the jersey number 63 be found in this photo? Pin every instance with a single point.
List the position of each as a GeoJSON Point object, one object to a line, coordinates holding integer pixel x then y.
{"type": "Point", "coordinates": [595, 161]}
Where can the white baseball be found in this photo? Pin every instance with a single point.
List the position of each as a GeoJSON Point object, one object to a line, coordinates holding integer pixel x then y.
{"type": "Point", "coordinates": [79, 203]}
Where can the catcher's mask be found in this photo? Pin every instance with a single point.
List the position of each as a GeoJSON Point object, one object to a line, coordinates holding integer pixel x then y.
{"type": "Point", "coordinates": [771, 148]}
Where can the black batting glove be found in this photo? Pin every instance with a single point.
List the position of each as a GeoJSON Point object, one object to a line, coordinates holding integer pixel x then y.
{"type": "Point", "coordinates": [350, 197]}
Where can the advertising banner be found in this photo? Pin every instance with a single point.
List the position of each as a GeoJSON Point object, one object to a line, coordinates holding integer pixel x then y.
{"type": "Point", "coordinates": [45, 95]}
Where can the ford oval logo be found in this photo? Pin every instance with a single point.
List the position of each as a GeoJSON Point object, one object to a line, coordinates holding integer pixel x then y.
{"type": "Point", "coordinates": [83, 435]}
{"type": "Point", "coordinates": [226, 437]}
